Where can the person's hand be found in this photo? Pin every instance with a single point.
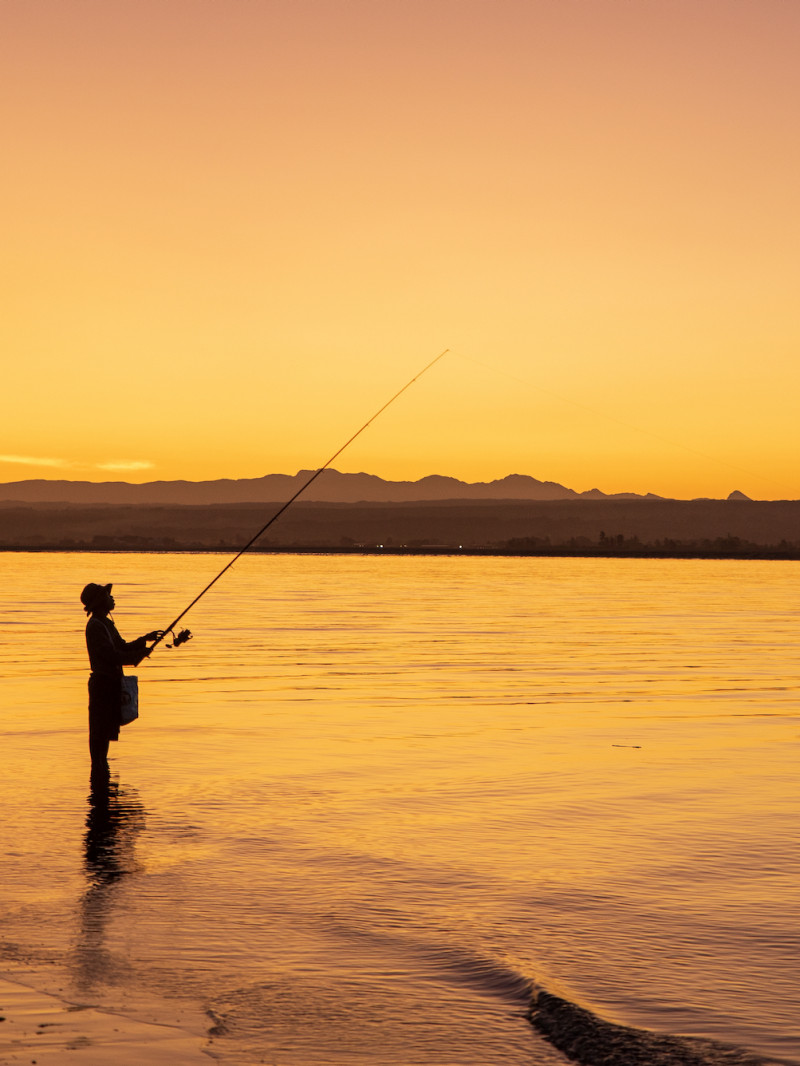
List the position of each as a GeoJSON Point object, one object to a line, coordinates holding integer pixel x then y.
{"type": "Point", "coordinates": [157, 634]}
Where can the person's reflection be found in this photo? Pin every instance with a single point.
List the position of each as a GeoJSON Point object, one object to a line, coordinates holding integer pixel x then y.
{"type": "Point", "coordinates": [114, 818]}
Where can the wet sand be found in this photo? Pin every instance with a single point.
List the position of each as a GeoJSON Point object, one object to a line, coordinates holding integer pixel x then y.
{"type": "Point", "coordinates": [44, 1029]}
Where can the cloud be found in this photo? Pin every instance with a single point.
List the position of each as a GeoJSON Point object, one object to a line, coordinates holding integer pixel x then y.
{"type": "Point", "coordinates": [126, 464]}
{"type": "Point", "coordinates": [70, 464]}
{"type": "Point", "coordinates": [32, 460]}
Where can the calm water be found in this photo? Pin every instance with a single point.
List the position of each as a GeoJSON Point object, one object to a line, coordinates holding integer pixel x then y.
{"type": "Point", "coordinates": [376, 801]}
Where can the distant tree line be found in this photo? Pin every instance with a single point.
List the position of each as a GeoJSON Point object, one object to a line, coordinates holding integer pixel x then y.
{"type": "Point", "coordinates": [666, 547]}
{"type": "Point", "coordinates": [617, 545]}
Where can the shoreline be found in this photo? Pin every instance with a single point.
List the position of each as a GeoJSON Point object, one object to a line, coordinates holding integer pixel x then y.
{"type": "Point", "coordinates": [584, 552]}
{"type": "Point", "coordinates": [48, 1029]}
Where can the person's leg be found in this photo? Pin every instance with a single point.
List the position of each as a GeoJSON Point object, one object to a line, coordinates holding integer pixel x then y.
{"type": "Point", "coordinates": [98, 749]}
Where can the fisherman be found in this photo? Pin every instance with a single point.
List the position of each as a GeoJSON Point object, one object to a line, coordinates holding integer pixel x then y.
{"type": "Point", "coordinates": [108, 653]}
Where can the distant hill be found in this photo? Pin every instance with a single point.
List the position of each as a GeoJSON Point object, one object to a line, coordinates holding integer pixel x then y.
{"type": "Point", "coordinates": [330, 487]}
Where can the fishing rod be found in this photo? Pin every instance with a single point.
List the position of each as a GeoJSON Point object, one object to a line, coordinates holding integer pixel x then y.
{"type": "Point", "coordinates": [184, 635]}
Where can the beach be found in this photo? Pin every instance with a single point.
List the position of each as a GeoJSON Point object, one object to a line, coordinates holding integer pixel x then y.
{"type": "Point", "coordinates": [43, 1029]}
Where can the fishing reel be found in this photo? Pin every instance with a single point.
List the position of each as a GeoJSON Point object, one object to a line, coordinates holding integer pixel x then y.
{"type": "Point", "coordinates": [180, 638]}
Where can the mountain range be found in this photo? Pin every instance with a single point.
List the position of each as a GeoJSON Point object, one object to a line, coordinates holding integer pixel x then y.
{"type": "Point", "coordinates": [330, 487]}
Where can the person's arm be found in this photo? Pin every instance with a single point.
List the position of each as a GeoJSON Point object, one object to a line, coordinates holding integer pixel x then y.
{"type": "Point", "coordinates": [138, 648]}
{"type": "Point", "coordinates": [132, 651]}
{"type": "Point", "coordinates": [114, 650]}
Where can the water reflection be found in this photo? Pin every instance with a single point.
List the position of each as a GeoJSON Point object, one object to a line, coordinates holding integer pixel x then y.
{"type": "Point", "coordinates": [114, 819]}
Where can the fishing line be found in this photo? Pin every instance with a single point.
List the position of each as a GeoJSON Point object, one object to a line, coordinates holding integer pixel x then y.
{"type": "Point", "coordinates": [185, 635]}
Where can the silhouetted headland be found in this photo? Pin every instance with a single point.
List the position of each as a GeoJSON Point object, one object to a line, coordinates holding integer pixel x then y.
{"type": "Point", "coordinates": [733, 528]}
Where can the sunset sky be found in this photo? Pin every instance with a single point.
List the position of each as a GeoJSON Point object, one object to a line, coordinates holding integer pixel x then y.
{"type": "Point", "coordinates": [233, 229]}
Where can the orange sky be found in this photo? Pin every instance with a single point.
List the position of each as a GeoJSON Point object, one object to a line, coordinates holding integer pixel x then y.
{"type": "Point", "coordinates": [233, 230]}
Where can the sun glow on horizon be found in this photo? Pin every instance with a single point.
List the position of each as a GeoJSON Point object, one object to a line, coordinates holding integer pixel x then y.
{"type": "Point", "coordinates": [234, 232]}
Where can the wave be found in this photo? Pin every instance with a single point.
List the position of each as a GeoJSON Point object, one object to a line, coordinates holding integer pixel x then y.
{"type": "Point", "coordinates": [591, 1041]}
{"type": "Point", "coordinates": [576, 1032]}
{"type": "Point", "coordinates": [483, 973]}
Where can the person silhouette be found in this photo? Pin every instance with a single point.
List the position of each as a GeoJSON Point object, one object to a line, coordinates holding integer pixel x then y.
{"type": "Point", "coordinates": [108, 653]}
